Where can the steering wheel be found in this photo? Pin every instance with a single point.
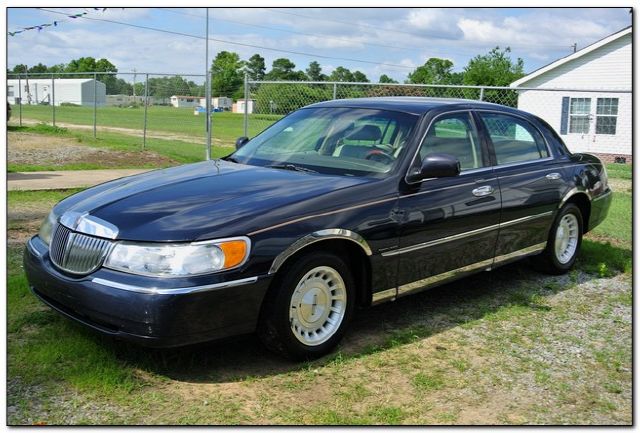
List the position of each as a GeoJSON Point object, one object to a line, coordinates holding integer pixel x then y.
{"type": "Point", "coordinates": [379, 156]}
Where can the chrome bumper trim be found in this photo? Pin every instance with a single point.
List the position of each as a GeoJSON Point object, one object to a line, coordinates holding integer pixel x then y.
{"type": "Point", "coordinates": [603, 195]}
{"type": "Point", "coordinates": [176, 291]}
{"type": "Point", "coordinates": [32, 248]}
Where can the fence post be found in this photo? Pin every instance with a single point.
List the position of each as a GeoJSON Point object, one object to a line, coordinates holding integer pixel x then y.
{"type": "Point", "coordinates": [20, 98]}
{"type": "Point", "coordinates": [246, 105]}
{"type": "Point", "coordinates": [335, 90]}
{"type": "Point", "coordinates": [481, 94]}
{"type": "Point", "coordinates": [53, 99]}
{"type": "Point", "coordinates": [146, 104]}
{"type": "Point", "coordinates": [95, 104]}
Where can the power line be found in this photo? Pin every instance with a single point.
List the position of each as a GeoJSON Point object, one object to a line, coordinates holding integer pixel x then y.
{"type": "Point", "coordinates": [300, 53]}
{"type": "Point", "coordinates": [377, 28]}
{"type": "Point", "coordinates": [394, 47]}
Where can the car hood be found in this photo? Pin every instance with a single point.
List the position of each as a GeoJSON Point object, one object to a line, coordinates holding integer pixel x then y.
{"type": "Point", "coordinates": [204, 200]}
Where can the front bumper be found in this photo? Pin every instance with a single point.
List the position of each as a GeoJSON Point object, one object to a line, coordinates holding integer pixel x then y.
{"type": "Point", "coordinates": [157, 312]}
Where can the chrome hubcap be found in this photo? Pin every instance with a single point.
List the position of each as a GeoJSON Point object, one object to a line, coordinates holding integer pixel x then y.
{"type": "Point", "coordinates": [566, 242]}
{"type": "Point", "coordinates": [317, 306]}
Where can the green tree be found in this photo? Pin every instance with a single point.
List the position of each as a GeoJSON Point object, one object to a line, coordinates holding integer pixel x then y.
{"type": "Point", "coordinates": [360, 77]}
{"type": "Point", "coordinates": [434, 71]}
{"type": "Point", "coordinates": [314, 72]}
{"type": "Point", "coordinates": [284, 69]}
{"type": "Point", "coordinates": [384, 78]}
{"type": "Point", "coordinates": [341, 74]}
{"type": "Point", "coordinates": [226, 71]}
{"type": "Point", "coordinates": [256, 67]}
{"type": "Point", "coordinates": [493, 69]}
{"type": "Point", "coordinates": [38, 69]}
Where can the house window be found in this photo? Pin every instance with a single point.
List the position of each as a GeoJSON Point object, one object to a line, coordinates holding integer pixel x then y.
{"type": "Point", "coordinates": [10, 92]}
{"type": "Point", "coordinates": [579, 109]}
{"type": "Point", "coordinates": [606, 116]}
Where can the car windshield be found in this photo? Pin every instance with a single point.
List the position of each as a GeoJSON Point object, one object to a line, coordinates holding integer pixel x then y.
{"type": "Point", "coordinates": [342, 141]}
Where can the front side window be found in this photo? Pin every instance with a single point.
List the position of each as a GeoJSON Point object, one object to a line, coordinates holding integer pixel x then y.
{"type": "Point", "coordinates": [579, 110]}
{"type": "Point", "coordinates": [606, 115]}
{"type": "Point", "coordinates": [514, 139]}
{"type": "Point", "coordinates": [343, 141]}
{"type": "Point", "coordinates": [455, 135]}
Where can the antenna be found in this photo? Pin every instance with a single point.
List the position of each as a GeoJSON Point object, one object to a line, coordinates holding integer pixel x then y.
{"type": "Point", "coordinates": [575, 47]}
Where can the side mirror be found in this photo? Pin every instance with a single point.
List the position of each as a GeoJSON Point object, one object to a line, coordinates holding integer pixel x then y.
{"type": "Point", "coordinates": [241, 142]}
{"type": "Point", "coordinates": [436, 165]}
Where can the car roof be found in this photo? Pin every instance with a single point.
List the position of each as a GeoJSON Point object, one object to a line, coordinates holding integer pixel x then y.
{"type": "Point", "coordinates": [408, 104]}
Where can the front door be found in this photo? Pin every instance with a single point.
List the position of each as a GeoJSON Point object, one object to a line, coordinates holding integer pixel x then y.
{"type": "Point", "coordinates": [450, 224]}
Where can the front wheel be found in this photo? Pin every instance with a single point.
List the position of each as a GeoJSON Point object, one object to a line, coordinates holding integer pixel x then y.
{"type": "Point", "coordinates": [308, 308]}
{"type": "Point", "coordinates": [564, 242]}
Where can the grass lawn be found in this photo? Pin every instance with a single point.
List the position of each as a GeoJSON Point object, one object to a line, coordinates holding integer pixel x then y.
{"type": "Point", "coordinates": [227, 126]}
{"type": "Point", "coordinates": [178, 151]}
{"type": "Point", "coordinates": [620, 171]}
{"type": "Point", "coordinates": [509, 346]}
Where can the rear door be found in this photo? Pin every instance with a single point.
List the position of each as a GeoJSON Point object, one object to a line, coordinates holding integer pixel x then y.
{"type": "Point", "coordinates": [450, 224]}
{"type": "Point", "coordinates": [531, 182]}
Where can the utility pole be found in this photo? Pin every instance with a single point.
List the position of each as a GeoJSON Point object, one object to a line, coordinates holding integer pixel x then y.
{"type": "Point", "coordinates": [134, 84]}
{"type": "Point", "coordinates": [207, 90]}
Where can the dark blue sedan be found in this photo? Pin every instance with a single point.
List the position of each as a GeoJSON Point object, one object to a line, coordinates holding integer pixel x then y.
{"type": "Point", "coordinates": [339, 205]}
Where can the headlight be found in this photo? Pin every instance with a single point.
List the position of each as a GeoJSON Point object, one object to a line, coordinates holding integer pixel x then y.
{"type": "Point", "coordinates": [178, 260]}
{"type": "Point", "coordinates": [46, 229]}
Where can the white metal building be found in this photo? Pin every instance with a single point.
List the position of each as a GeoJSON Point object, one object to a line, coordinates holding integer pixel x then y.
{"type": "Point", "coordinates": [77, 91]}
{"type": "Point", "coordinates": [185, 101]}
{"type": "Point", "coordinates": [594, 121]}
{"type": "Point", "coordinates": [218, 102]}
{"type": "Point", "coordinates": [239, 106]}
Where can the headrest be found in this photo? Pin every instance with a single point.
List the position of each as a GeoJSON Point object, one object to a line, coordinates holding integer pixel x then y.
{"type": "Point", "coordinates": [365, 132]}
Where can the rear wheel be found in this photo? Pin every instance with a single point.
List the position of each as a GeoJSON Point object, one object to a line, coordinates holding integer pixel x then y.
{"type": "Point", "coordinates": [564, 242]}
{"type": "Point", "coordinates": [308, 308]}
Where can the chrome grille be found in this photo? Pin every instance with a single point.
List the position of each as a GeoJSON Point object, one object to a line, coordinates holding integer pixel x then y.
{"type": "Point", "coordinates": [75, 252]}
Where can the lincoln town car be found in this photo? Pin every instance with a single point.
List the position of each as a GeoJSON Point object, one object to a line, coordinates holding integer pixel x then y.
{"type": "Point", "coordinates": [337, 206]}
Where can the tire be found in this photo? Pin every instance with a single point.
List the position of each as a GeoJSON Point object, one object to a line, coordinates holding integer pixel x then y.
{"type": "Point", "coordinates": [316, 292]}
{"type": "Point", "coordinates": [563, 245]}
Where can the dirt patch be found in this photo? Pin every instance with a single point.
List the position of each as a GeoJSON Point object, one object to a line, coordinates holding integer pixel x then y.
{"type": "Point", "coordinates": [47, 150]}
{"type": "Point", "coordinates": [160, 135]}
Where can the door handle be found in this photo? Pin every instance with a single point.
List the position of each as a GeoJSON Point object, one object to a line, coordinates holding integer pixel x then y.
{"type": "Point", "coordinates": [482, 191]}
{"type": "Point", "coordinates": [553, 176]}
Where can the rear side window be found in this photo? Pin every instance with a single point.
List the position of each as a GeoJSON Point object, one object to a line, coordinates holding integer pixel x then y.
{"type": "Point", "coordinates": [514, 139]}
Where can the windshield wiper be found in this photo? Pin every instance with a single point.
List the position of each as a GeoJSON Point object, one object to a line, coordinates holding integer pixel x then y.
{"type": "Point", "coordinates": [231, 158]}
{"type": "Point", "coordinates": [292, 167]}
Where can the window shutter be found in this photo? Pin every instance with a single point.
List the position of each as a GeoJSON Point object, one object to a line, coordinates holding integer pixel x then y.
{"type": "Point", "coordinates": [564, 119]}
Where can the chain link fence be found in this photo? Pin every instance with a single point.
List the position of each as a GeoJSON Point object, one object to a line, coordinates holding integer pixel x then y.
{"type": "Point", "coordinates": [593, 120]}
{"type": "Point", "coordinates": [166, 112]}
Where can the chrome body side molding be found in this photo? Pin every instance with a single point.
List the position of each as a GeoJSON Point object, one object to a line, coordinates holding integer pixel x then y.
{"type": "Point", "coordinates": [429, 282]}
{"type": "Point", "coordinates": [176, 291]}
{"type": "Point", "coordinates": [464, 235]}
{"type": "Point", "coordinates": [314, 237]}
{"type": "Point", "coordinates": [445, 277]}
{"type": "Point", "coordinates": [384, 296]}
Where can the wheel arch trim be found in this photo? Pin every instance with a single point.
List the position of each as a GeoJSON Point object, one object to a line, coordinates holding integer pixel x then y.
{"type": "Point", "coordinates": [572, 193]}
{"type": "Point", "coordinates": [317, 236]}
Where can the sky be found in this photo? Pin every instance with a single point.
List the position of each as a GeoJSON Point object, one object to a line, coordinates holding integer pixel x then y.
{"type": "Point", "coordinates": [391, 41]}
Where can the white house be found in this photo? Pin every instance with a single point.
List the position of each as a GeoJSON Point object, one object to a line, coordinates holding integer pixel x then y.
{"type": "Point", "coordinates": [79, 91]}
{"type": "Point", "coordinates": [598, 119]}
{"type": "Point", "coordinates": [218, 102]}
{"type": "Point", "coordinates": [185, 101]}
